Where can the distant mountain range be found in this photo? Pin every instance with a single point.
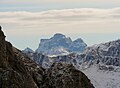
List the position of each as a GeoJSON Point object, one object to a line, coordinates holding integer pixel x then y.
{"type": "Point", "coordinates": [59, 44]}
{"type": "Point", "coordinates": [104, 53]}
{"type": "Point", "coordinates": [57, 48]}
{"type": "Point", "coordinates": [95, 61]}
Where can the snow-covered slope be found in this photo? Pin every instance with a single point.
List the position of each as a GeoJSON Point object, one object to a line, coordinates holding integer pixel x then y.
{"type": "Point", "coordinates": [56, 51]}
{"type": "Point", "coordinates": [102, 63]}
{"type": "Point", "coordinates": [102, 78]}
{"type": "Point", "coordinates": [60, 44]}
{"type": "Point", "coordinates": [107, 53]}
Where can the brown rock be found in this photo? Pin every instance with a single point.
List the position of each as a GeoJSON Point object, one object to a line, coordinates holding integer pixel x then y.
{"type": "Point", "coordinates": [3, 59]}
{"type": "Point", "coordinates": [63, 75]}
{"type": "Point", "coordinates": [16, 69]}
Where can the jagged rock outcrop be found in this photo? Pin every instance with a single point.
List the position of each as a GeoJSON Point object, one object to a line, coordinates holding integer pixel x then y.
{"type": "Point", "coordinates": [77, 45]}
{"type": "Point", "coordinates": [3, 58]}
{"type": "Point", "coordinates": [18, 71]}
{"type": "Point", "coordinates": [59, 44]}
{"type": "Point", "coordinates": [39, 58]}
{"type": "Point", "coordinates": [28, 50]}
{"type": "Point", "coordinates": [106, 53]}
{"type": "Point", "coordinates": [63, 75]}
{"type": "Point", "coordinates": [46, 61]}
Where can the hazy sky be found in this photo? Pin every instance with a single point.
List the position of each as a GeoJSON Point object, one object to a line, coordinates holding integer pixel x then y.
{"type": "Point", "coordinates": [25, 22]}
{"type": "Point", "coordinates": [40, 5]}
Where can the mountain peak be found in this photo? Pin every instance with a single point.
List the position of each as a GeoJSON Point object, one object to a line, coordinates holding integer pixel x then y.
{"type": "Point", "coordinates": [1, 32]}
{"type": "Point", "coordinates": [3, 60]}
{"type": "Point", "coordinates": [78, 40]}
{"type": "Point", "coordinates": [28, 50]}
{"type": "Point", "coordinates": [53, 45]}
{"type": "Point", "coordinates": [59, 35]}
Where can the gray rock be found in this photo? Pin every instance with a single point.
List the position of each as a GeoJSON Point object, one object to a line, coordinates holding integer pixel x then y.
{"type": "Point", "coordinates": [60, 44]}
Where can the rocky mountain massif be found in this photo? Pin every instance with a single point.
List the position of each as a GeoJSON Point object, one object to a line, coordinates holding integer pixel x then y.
{"type": "Point", "coordinates": [104, 60]}
{"type": "Point", "coordinates": [104, 53]}
{"type": "Point", "coordinates": [107, 53]}
{"type": "Point", "coordinates": [100, 62]}
{"type": "Point", "coordinates": [56, 46]}
{"type": "Point", "coordinates": [18, 71]}
{"type": "Point", "coordinates": [60, 44]}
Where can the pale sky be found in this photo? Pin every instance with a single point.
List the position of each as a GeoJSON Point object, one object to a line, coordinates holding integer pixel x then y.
{"type": "Point", "coordinates": [25, 22]}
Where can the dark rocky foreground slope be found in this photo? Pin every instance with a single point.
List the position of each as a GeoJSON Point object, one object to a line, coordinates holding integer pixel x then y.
{"type": "Point", "coordinates": [18, 71]}
{"type": "Point", "coordinates": [62, 75]}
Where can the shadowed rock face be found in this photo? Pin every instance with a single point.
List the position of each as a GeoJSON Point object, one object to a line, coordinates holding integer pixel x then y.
{"type": "Point", "coordinates": [3, 59]}
{"type": "Point", "coordinates": [62, 75]}
{"type": "Point", "coordinates": [18, 71]}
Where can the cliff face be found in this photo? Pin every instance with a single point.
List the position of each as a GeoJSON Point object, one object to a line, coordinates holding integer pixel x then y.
{"type": "Point", "coordinates": [3, 59]}
{"type": "Point", "coordinates": [59, 44]}
{"type": "Point", "coordinates": [18, 71]}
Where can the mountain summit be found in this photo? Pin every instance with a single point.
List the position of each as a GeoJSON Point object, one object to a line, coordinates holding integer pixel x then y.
{"type": "Point", "coordinates": [60, 44]}
{"type": "Point", "coordinates": [58, 36]}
